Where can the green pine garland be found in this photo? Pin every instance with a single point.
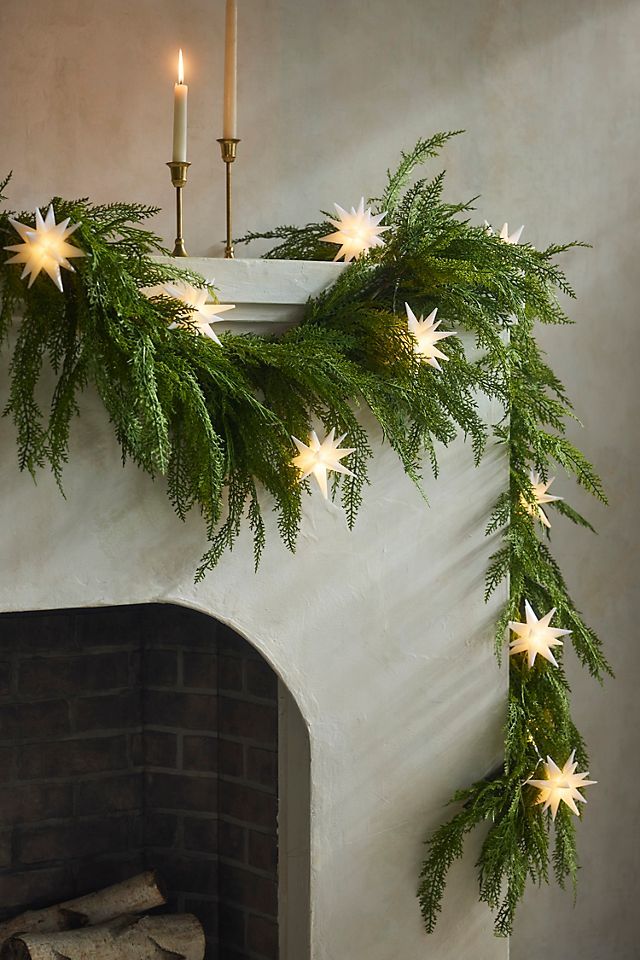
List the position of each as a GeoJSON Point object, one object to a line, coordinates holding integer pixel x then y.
{"type": "Point", "coordinates": [217, 423]}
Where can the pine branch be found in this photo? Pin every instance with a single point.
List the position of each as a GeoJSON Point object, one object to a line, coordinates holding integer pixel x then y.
{"type": "Point", "coordinates": [217, 421]}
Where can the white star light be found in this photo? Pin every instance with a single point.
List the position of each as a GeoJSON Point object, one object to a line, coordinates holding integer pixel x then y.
{"type": "Point", "coordinates": [45, 247]}
{"type": "Point", "coordinates": [319, 458]}
{"type": "Point", "coordinates": [540, 496]}
{"type": "Point", "coordinates": [357, 232]}
{"type": "Point", "coordinates": [427, 335]}
{"type": "Point", "coordinates": [561, 786]}
{"type": "Point", "coordinates": [513, 237]}
{"type": "Point", "coordinates": [202, 313]}
{"type": "Point", "coordinates": [504, 232]}
{"type": "Point", "coordinates": [536, 636]}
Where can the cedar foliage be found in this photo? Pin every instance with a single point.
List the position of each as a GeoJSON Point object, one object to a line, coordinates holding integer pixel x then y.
{"type": "Point", "coordinates": [498, 292]}
{"type": "Point", "coordinates": [217, 423]}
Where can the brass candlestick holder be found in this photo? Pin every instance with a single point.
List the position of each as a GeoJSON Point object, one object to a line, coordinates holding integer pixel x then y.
{"type": "Point", "coordinates": [228, 149]}
{"type": "Point", "coordinates": [179, 169]}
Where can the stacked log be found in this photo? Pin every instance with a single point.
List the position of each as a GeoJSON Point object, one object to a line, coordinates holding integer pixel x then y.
{"type": "Point", "coordinates": [106, 925]}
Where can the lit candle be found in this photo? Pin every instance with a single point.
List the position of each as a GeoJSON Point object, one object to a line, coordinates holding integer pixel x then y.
{"type": "Point", "coordinates": [229, 124]}
{"type": "Point", "coordinates": [180, 92]}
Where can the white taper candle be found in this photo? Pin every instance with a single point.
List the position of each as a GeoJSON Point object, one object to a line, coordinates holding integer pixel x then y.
{"type": "Point", "coordinates": [229, 123]}
{"type": "Point", "coordinates": [180, 93]}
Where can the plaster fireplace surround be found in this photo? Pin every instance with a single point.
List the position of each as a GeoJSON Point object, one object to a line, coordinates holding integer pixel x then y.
{"type": "Point", "coordinates": [278, 744]}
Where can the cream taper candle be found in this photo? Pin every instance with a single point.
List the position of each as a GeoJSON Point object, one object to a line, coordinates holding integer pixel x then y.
{"type": "Point", "coordinates": [229, 123]}
{"type": "Point", "coordinates": [180, 93]}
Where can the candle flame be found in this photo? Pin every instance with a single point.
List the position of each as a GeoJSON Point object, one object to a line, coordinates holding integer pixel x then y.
{"type": "Point", "coordinates": [180, 67]}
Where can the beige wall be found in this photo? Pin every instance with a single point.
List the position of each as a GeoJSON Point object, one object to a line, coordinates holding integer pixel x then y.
{"type": "Point", "coordinates": [329, 93]}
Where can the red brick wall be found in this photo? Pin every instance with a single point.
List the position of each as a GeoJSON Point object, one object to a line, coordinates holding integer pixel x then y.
{"type": "Point", "coordinates": [133, 737]}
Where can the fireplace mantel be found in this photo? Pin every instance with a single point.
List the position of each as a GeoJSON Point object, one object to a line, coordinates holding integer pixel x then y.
{"type": "Point", "coordinates": [269, 294]}
{"type": "Point", "coordinates": [380, 635]}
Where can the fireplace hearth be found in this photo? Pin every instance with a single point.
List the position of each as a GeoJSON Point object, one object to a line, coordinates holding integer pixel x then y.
{"type": "Point", "coordinates": [141, 737]}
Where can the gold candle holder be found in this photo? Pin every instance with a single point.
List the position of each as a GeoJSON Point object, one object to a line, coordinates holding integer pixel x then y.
{"type": "Point", "coordinates": [228, 149]}
{"type": "Point", "coordinates": [179, 169]}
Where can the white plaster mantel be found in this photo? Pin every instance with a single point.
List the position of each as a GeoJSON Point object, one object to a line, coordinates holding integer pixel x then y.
{"type": "Point", "coordinates": [269, 294]}
{"type": "Point", "coordinates": [380, 634]}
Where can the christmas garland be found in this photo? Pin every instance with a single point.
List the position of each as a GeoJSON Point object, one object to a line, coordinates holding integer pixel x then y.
{"type": "Point", "coordinates": [220, 418]}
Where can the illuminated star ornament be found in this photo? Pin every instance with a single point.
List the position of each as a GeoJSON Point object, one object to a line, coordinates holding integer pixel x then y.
{"type": "Point", "coordinates": [561, 786]}
{"type": "Point", "coordinates": [510, 237]}
{"type": "Point", "coordinates": [319, 458]}
{"type": "Point", "coordinates": [45, 247]}
{"type": "Point", "coordinates": [540, 496]}
{"type": "Point", "coordinates": [536, 636]}
{"type": "Point", "coordinates": [357, 232]}
{"type": "Point", "coordinates": [203, 314]}
{"type": "Point", "coordinates": [504, 232]}
{"type": "Point", "coordinates": [427, 335]}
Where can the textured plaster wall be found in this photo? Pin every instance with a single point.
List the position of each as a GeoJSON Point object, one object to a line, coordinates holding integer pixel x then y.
{"type": "Point", "coordinates": [329, 92]}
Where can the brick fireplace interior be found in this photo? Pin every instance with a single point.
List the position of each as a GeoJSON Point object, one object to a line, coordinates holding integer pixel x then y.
{"type": "Point", "coordinates": [139, 737]}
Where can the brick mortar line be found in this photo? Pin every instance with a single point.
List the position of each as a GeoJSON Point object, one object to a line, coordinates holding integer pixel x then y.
{"type": "Point", "coordinates": [26, 699]}
{"type": "Point", "coordinates": [177, 772]}
{"type": "Point", "coordinates": [73, 737]}
{"type": "Point", "coordinates": [252, 784]}
{"type": "Point", "coordinates": [191, 814]}
{"type": "Point", "coordinates": [24, 826]}
{"type": "Point", "coordinates": [227, 693]}
{"type": "Point", "coordinates": [249, 824]}
{"type": "Point", "coordinates": [164, 728]}
{"type": "Point", "coordinates": [247, 867]}
{"type": "Point", "coordinates": [268, 746]}
{"type": "Point", "coordinates": [78, 653]}
{"type": "Point", "coordinates": [179, 812]}
{"type": "Point", "coordinates": [74, 778]}
{"type": "Point", "coordinates": [242, 696]}
{"type": "Point", "coordinates": [41, 865]}
{"type": "Point", "coordinates": [211, 775]}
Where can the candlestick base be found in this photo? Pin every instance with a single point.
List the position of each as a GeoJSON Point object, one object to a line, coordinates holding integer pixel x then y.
{"type": "Point", "coordinates": [179, 170]}
{"type": "Point", "coordinates": [228, 150]}
{"type": "Point", "coordinates": [179, 249]}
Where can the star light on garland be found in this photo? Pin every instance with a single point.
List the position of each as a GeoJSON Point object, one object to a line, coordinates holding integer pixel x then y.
{"type": "Point", "coordinates": [540, 496]}
{"type": "Point", "coordinates": [427, 335]}
{"type": "Point", "coordinates": [536, 636]}
{"type": "Point", "coordinates": [561, 786]}
{"type": "Point", "coordinates": [510, 237]}
{"type": "Point", "coordinates": [319, 458]}
{"type": "Point", "coordinates": [357, 232]}
{"type": "Point", "coordinates": [45, 247]}
{"type": "Point", "coordinates": [504, 232]}
{"type": "Point", "coordinates": [203, 314]}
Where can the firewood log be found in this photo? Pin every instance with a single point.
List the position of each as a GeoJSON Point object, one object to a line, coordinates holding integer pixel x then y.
{"type": "Point", "coordinates": [171, 937]}
{"type": "Point", "coordinates": [136, 895]}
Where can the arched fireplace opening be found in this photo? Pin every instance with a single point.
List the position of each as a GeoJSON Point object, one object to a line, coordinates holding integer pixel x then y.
{"type": "Point", "coordinates": [147, 736]}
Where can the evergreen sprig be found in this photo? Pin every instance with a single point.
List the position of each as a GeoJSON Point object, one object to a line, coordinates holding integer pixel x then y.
{"type": "Point", "coordinates": [217, 422]}
{"type": "Point", "coordinates": [498, 292]}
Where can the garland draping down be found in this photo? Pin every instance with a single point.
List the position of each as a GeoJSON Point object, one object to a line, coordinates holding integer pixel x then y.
{"type": "Point", "coordinates": [217, 420]}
